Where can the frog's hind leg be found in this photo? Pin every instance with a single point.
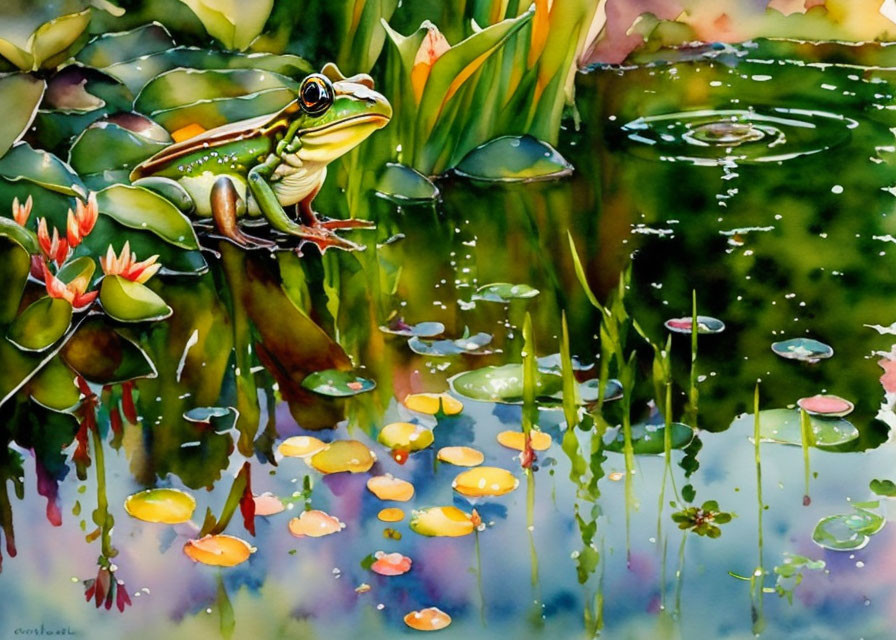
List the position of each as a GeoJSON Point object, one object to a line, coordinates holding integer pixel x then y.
{"type": "Point", "coordinates": [313, 220]}
{"type": "Point", "coordinates": [224, 198]}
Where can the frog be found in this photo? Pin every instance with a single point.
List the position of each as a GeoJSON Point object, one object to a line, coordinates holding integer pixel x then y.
{"type": "Point", "coordinates": [246, 173]}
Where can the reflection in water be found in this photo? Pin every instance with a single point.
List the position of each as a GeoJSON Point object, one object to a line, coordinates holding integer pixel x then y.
{"type": "Point", "coordinates": [776, 250]}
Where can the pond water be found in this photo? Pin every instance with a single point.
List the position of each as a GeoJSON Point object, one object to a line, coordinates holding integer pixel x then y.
{"type": "Point", "coordinates": [757, 181]}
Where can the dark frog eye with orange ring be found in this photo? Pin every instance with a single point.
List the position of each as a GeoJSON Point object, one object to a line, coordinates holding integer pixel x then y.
{"type": "Point", "coordinates": [316, 94]}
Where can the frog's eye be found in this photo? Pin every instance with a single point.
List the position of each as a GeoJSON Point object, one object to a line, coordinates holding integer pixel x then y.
{"type": "Point", "coordinates": [316, 94]}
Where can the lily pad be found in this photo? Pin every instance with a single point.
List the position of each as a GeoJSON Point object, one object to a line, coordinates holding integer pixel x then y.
{"type": "Point", "coordinates": [20, 94]}
{"type": "Point", "coordinates": [826, 405]}
{"type": "Point", "coordinates": [442, 522]}
{"type": "Point", "coordinates": [337, 384]}
{"type": "Point", "coordinates": [168, 506]}
{"type": "Point", "coordinates": [705, 325]}
{"type": "Point", "coordinates": [343, 456]}
{"type": "Point", "coordinates": [142, 209]}
{"type": "Point", "coordinates": [301, 446]}
{"type": "Point", "coordinates": [461, 456]}
{"type": "Point", "coordinates": [398, 327]}
{"type": "Point", "coordinates": [405, 185]}
{"type": "Point", "coordinates": [218, 550]}
{"type": "Point", "coordinates": [26, 164]}
{"type": "Point", "coordinates": [41, 325]}
{"type": "Point", "coordinates": [315, 524]}
{"type": "Point", "coordinates": [388, 487]}
{"type": "Point", "coordinates": [404, 436]}
{"type": "Point", "coordinates": [538, 440]}
{"type": "Point", "coordinates": [504, 292]}
{"type": "Point", "coordinates": [54, 387]}
{"type": "Point", "coordinates": [485, 481]}
{"type": "Point", "coordinates": [649, 439]}
{"type": "Point", "coordinates": [390, 514]}
{"type": "Point", "coordinates": [553, 364]}
{"type": "Point", "coordinates": [220, 418]}
{"type": "Point", "coordinates": [848, 532]}
{"type": "Point", "coordinates": [106, 146]}
{"type": "Point", "coordinates": [504, 384]}
{"type": "Point", "coordinates": [514, 159]}
{"type": "Point", "coordinates": [473, 345]}
{"type": "Point", "coordinates": [434, 403]}
{"type": "Point", "coordinates": [783, 426]}
{"type": "Point", "coordinates": [429, 619]}
{"type": "Point", "coordinates": [804, 349]}
{"type": "Point", "coordinates": [47, 44]}
{"type": "Point", "coordinates": [111, 48]}
{"type": "Point", "coordinates": [128, 301]}
{"type": "Point", "coordinates": [24, 238]}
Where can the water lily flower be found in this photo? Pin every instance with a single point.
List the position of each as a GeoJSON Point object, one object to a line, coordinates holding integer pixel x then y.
{"type": "Point", "coordinates": [75, 292]}
{"type": "Point", "coordinates": [431, 49]}
{"type": "Point", "coordinates": [106, 590]}
{"type": "Point", "coordinates": [126, 265]}
{"type": "Point", "coordinates": [21, 212]}
{"type": "Point", "coordinates": [55, 249]}
{"type": "Point", "coordinates": [82, 221]}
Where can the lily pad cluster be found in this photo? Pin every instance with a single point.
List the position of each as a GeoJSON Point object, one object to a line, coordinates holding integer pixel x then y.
{"type": "Point", "coordinates": [850, 531]}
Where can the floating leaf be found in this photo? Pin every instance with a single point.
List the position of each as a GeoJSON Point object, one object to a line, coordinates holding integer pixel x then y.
{"type": "Point", "coordinates": [388, 487]}
{"type": "Point", "coordinates": [343, 455]}
{"type": "Point", "coordinates": [705, 324]}
{"type": "Point", "coordinates": [41, 324]}
{"type": "Point", "coordinates": [104, 356]}
{"type": "Point", "coordinates": [21, 95]}
{"type": "Point", "coordinates": [106, 146]}
{"type": "Point", "coordinates": [337, 384]}
{"type": "Point", "coordinates": [404, 185]}
{"type": "Point", "coordinates": [848, 532]}
{"type": "Point", "coordinates": [538, 440]}
{"type": "Point", "coordinates": [429, 619]}
{"type": "Point", "coordinates": [804, 349]}
{"type": "Point", "coordinates": [648, 438]}
{"type": "Point", "coordinates": [398, 327]}
{"type": "Point", "coordinates": [267, 504]}
{"type": "Point", "coordinates": [128, 301]}
{"type": "Point", "coordinates": [140, 208]}
{"type": "Point", "coordinates": [474, 345]}
{"type": "Point", "coordinates": [168, 506]}
{"type": "Point", "coordinates": [26, 164]}
{"type": "Point", "coordinates": [884, 488]}
{"type": "Point", "coordinates": [442, 521]}
{"type": "Point", "coordinates": [434, 403]}
{"type": "Point", "coordinates": [504, 292]}
{"type": "Point", "coordinates": [485, 481]}
{"type": "Point", "coordinates": [404, 436]}
{"type": "Point", "coordinates": [315, 524]}
{"type": "Point", "coordinates": [391, 514]}
{"type": "Point", "coordinates": [514, 159]}
{"type": "Point", "coordinates": [390, 564]}
{"type": "Point", "coordinates": [54, 387]}
{"type": "Point", "coordinates": [218, 550]}
{"type": "Point", "coordinates": [234, 23]}
{"type": "Point", "coordinates": [783, 426]}
{"type": "Point", "coordinates": [826, 405]}
{"type": "Point", "coordinates": [219, 418]}
{"type": "Point", "coordinates": [553, 364]}
{"type": "Point", "coordinates": [504, 384]}
{"type": "Point", "coordinates": [461, 456]}
{"type": "Point", "coordinates": [301, 446]}
{"type": "Point", "coordinates": [111, 48]}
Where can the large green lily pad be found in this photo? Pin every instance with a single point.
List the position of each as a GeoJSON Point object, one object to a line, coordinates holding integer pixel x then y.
{"type": "Point", "coordinates": [106, 146]}
{"type": "Point", "coordinates": [41, 324]}
{"type": "Point", "coordinates": [111, 48]}
{"type": "Point", "coordinates": [20, 95]}
{"type": "Point", "coordinates": [504, 384]}
{"type": "Point", "coordinates": [26, 164]}
{"type": "Point", "coordinates": [337, 384]}
{"type": "Point", "coordinates": [140, 208]}
{"type": "Point", "coordinates": [851, 531]}
{"type": "Point", "coordinates": [404, 185]}
{"type": "Point", "coordinates": [514, 159]}
{"type": "Point", "coordinates": [649, 438]}
{"type": "Point", "coordinates": [504, 292]}
{"type": "Point", "coordinates": [783, 426]}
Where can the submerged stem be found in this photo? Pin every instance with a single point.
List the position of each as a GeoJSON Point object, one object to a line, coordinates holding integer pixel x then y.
{"type": "Point", "coordinates": [757, 583]}
{"type": "Point", "coordinates": [806, 441]}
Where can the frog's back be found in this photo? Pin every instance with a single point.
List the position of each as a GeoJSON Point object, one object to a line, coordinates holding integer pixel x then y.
{"type": "Point", "coordinates": [236, 144]}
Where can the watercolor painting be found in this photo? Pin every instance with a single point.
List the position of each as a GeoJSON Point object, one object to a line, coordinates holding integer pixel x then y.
{"type": "Point", "coordinates": [483, 318]}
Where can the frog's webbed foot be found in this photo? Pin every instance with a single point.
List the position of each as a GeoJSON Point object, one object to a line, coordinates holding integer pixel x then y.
{"type": "Point", "coordinates": [324, 239]}
{"type": "Point", "coordinates": [224, 199]}
{"type": "Point", "coordinates": [310, 217]}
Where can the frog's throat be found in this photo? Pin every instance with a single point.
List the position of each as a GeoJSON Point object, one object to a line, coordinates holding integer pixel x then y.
{"type": "Point", "coordinates": [324, 144]}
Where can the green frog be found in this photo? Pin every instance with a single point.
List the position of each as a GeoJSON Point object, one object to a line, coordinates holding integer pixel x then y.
{"type": "Point", "coordinates": [252, 169]}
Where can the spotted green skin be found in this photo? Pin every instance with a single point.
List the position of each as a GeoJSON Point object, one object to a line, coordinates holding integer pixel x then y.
{"type": "Point", "coordinates": [272, 161]}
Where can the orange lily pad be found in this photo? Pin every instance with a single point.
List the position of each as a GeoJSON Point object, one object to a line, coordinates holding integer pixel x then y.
{"type": "Point", "coordinates": [448, 522]}
{"type": "Point", "coordinates": [390, 564]}
{"type": "Point", "coordinates": [301, 446]}
{"type": "Point", "coordinates": [429, 619]}
{"type": "Point", "coordinates": [315, 524]}
{"type": "Point", "coordinates": [168, 506]}
{"type": "Point", "coordinates": [432, 403]}
{"type": "Point", "coordinates": [219, 551]}
{"type": "Point", "coordinates": [343, 455]}
{"type": "Point", "coordinates": [267, 504]}
{"type": "Point", "coordinates": [461, 456]}
{"type": "Point", "coordinates": [391, 514]}
{"type": "Point", "coordinates": [539, 440]}
{"type": "Point", "coordinates": [405, 436]}
{"type": "Point", "coordinates": [388, 487]}
{"type": "Point", "coordinates": [485, 481]}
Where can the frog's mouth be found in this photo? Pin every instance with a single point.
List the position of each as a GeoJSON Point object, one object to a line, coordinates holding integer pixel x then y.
{"type": "Point", "coordinates": [329, 141]}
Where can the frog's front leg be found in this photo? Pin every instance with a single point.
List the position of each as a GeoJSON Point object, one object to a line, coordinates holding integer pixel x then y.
{"type": "Point", "coordinates": [273, 211]}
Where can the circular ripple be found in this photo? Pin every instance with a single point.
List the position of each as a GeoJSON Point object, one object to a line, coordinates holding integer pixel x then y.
{"type": "Point", "coordinates": [717, 137]}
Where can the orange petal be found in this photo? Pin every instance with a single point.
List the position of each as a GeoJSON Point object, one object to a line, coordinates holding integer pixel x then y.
{"type": "Point", "coordinates": [430, 619]}
{"type": "Point", "coordinates": [71, 230]}
{"type": "Point", "coordinates": [315, 524]}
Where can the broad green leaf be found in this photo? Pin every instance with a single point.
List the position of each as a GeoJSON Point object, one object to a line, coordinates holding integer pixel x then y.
{"type": "Point", "coordinates": [504, 292]}
{"type": "Point", "coordinates": [140, 208]}
{"type": "Point", "coordinates": [884, 488]}
{"type": "Point", "coordinates": [220, 111]}
{"type": "Point", "coordinates": [401, 184]}
{"type": "Point", "coordinates": [783, 426]}
{"type": "Point", "coordinates": [104, 146]}
{"type": "Point", "coordinates": [504, 384]}
{"type": "Point", "coordinates": [128, 301]}
{"type": "Point", "coordinates": [111, 48]}
{"type": "Point", "coordinates": [15, 263]}
{"type": "Point", "coordinates": [24, 163]}
{"type": "Point", "coordinates": [20, 95]}
{"type": "Point", "coordinates": [102, 355]}
{"type": "Point", "coordinates": [80, 268]}
{"type": "Point", "coordinates": [21, 236]}
{"type": "Point", "coordinates": [54, 37]}
{"type": "Point", "coordinates": [235, 23]}
{"type": "Point", "coordinates": [41, 324]}
{"type": "Point", "coordinates": [54, 386]}
{"type": "Point", "coordinates": [514, 159]}
{"type": "Point", "coordinates": [648, 439]}
{"type": "Point", "coordinates": [337, 384]}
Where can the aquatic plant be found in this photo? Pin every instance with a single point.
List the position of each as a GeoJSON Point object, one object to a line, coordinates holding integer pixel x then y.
{"type": "Point", "coordinates": [703, 520]}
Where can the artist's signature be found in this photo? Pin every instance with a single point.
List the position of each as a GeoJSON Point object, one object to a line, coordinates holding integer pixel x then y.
{"type": "Point", "coordinates": [44, 630]}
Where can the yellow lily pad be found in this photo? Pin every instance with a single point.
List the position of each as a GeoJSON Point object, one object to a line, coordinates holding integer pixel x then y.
{"type": "Point", "coordinates": [219, 551]}
{"type": "Point", "coordinates": [429, 619]}
{"type": "Point", "coordinates": [391, 514]}
{"type": "Point", "coordinates": [432, 403]}
{"type": "Point", "coordinates": [343, 455]}
{"type": "Point", "coordinates": [301, 446]}
{"type": "Point", "coordinates": [388, 487]}
{"type": "Point", "coordinates": [168, 506]}
{"type": "Point", "coordinates": [485, 481]}
{"type": "Point", "coordinates": [539, 440]}
{"type": "Point", "coordinates": [405, 436]}
{"type": "Point", "coordinates": [315, 524]}
{"type": "Point", "coordinates": [442, 521]}
{"type": "Point", "coordinates": [461, 456]}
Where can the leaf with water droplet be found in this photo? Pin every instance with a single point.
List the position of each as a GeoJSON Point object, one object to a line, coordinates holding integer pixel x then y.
{"type": "Point", "coordinates": [337, 384]}
{"type": "Point", "coordinates": [404, 185]}
{"type": "Point", "coordinates": [504, 292]}
{"type": "Point", "coordinates": [783, 426]}
{"type": "Point", "coordinates": [514, 159]}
